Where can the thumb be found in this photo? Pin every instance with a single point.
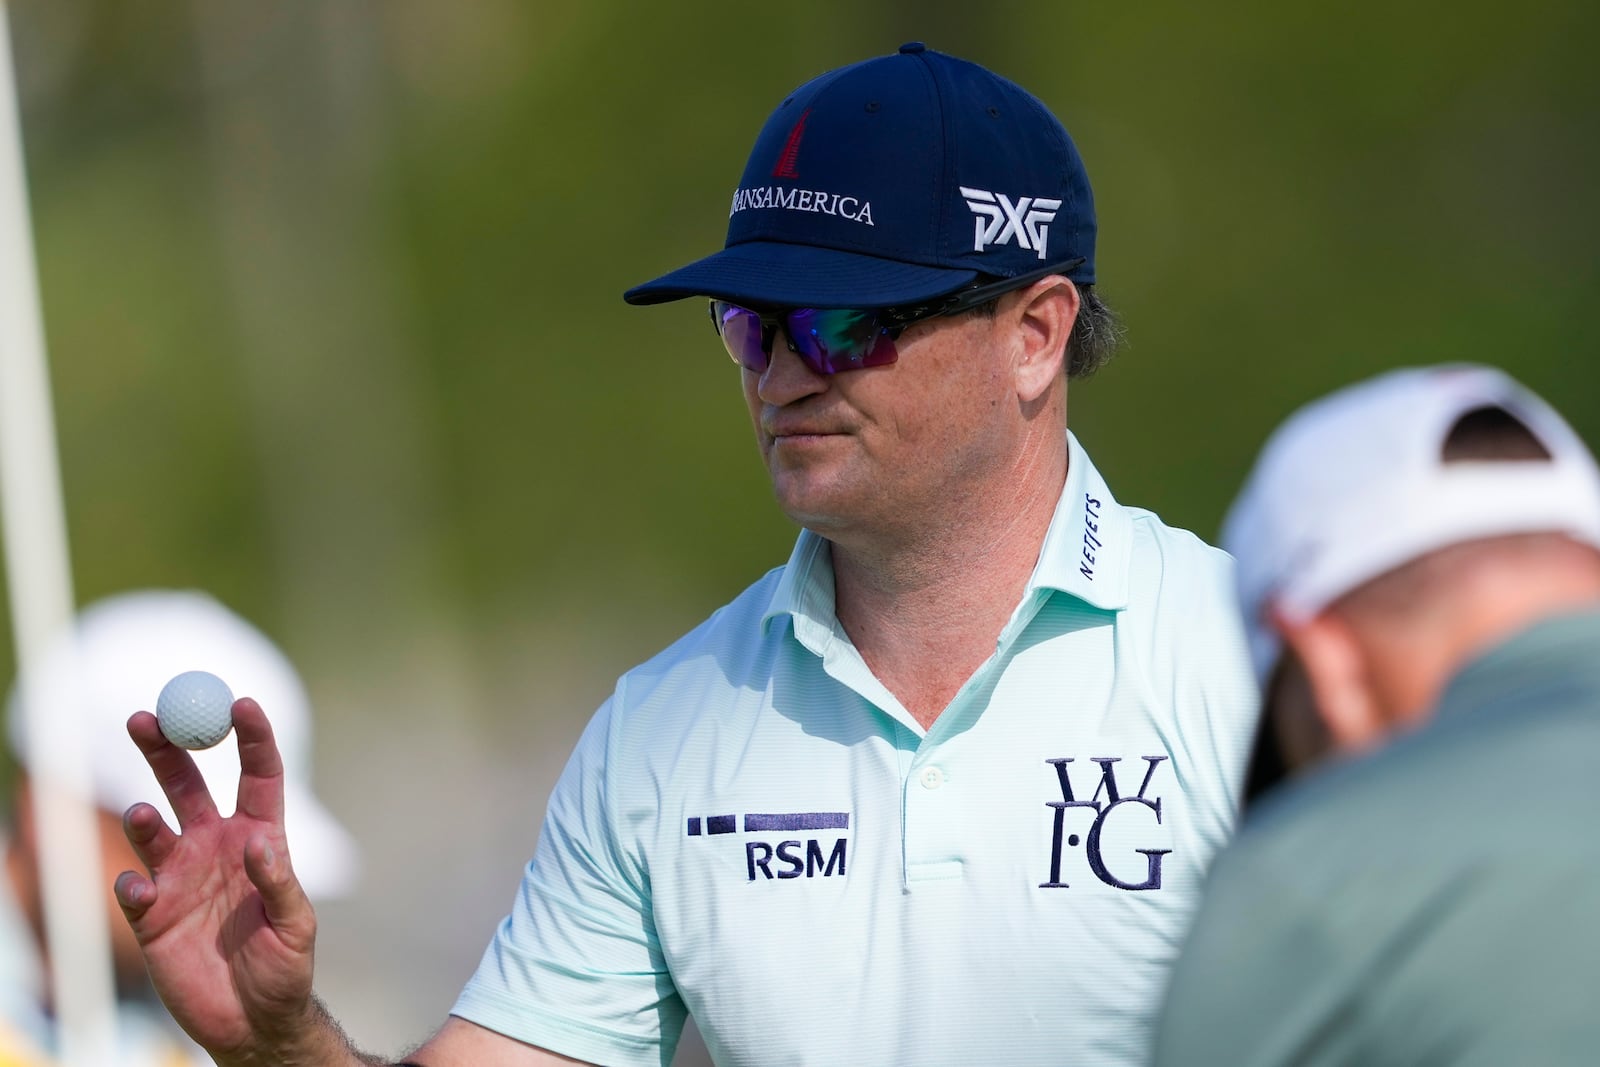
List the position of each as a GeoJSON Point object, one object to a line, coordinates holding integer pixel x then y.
{"type": "Point", "coordinates": [287, 907]}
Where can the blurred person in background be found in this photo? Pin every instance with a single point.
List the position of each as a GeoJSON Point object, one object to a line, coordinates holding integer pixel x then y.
{"type": "Point", "coordinates": [939, 790]}
{"type": "Point", "coordinates": [127, 647]}
{"type": "Point", "coordinates": [1419, 567]}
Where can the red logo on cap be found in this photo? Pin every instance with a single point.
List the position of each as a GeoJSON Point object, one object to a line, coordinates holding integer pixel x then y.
{"type": "Point", "coordinates": [791, 149]}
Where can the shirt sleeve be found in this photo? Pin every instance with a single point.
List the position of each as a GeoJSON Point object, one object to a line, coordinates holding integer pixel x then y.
{"type": "Point", "coordinates": [576, 967]}
{"type": "Point", "coordinates": [1229, 700]}
{"type": "Point", "coordinates": [1200, 667]}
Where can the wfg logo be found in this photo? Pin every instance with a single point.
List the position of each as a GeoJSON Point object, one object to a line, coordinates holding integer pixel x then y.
{"type": "Point", "coordinates": [1103, 810]}
{"type": "Point", "coordinates": [1000, 220]}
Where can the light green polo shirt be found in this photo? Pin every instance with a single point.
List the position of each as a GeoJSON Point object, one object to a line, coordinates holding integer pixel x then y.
{"type": "Point", "coordinates": [754, 830]}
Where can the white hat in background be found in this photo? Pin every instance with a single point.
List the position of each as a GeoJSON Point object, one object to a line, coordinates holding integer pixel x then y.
{"type": "Point", "coordinates": [1354, 485]}
{"type": "Point", "coordinates": [128, 647]}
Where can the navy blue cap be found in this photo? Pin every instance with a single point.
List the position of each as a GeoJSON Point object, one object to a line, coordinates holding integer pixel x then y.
{"type": "Point", "coordinates": [891, 181]}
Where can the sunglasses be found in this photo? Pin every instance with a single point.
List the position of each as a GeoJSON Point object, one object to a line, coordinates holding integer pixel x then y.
{"type": "Point", "coordinates": [830, 340]}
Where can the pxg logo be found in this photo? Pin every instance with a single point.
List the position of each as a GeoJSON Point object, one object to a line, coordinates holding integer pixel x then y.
{"type": "Point", "coordinates": [1001, 220]}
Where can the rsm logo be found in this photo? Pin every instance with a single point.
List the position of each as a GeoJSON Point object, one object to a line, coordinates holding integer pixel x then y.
{"type": "Point", "coordinates": [817, 855]}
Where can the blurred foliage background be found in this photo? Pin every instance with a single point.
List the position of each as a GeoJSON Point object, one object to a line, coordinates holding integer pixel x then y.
{"type": "Point", "coordinates": [332, 292]}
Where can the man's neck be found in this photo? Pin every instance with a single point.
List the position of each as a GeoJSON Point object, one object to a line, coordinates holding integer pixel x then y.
{"type": "Point", "coordinates": [925, 609]}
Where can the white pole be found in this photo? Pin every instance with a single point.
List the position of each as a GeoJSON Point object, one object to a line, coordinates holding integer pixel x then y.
{"type": "Point", "coordinates": [40, 580]}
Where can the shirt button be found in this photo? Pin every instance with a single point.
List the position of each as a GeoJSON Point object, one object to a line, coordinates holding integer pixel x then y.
{"type": "Point", "coordinates": [932, 778]}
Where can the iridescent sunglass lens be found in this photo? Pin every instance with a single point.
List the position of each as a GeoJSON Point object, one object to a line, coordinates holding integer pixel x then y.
{"type": "Point", "coordinates": [741, 334]}
{"type": "Point", "coordinates": [831, 340]}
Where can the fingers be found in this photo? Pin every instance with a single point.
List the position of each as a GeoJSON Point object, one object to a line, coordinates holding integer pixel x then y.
{"type": "Point", "coordinates": [135, 893]}
{"type": "Point", "coordinates": [174, 769]}
{"type": "Point", "coordinates": [151, 838]}
{"type": "Point", "coordinates": [287, 907]}
{"type": "Point", "coordinates": [260, 765]}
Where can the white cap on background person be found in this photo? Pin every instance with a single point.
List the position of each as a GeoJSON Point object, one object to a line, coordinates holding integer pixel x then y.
{"type": "Point", "coordinates": [1355, 484]}
{"type": "Point", "coordinates": [128, 647]}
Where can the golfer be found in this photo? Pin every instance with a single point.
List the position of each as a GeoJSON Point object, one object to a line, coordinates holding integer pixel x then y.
{"type": "Point", "coordinates": [938, 790]}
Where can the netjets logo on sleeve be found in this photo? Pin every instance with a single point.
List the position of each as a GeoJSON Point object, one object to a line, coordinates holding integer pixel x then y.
{"type": "Point", "coordinates": [1001, 220]}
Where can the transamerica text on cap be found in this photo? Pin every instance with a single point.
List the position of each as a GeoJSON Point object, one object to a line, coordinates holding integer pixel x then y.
{"type": "Point", "coordinates": [771, 196]}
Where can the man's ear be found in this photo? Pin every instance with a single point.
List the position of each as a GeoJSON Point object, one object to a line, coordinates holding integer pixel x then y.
{"type": "Point", "coordinates": [1044, 314]}
{"type": "Point", "coordinates": [1340, 679]}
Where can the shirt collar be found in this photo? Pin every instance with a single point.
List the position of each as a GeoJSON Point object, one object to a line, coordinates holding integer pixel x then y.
{"type": "Point", "coordinates": [1554, 653]}
{"type": "Point", "coordinates": [1085, 555]}
{"type": "Point", "coordinates": [805, 590]}
{"type": "Point", "coordinates": [1090, 540]}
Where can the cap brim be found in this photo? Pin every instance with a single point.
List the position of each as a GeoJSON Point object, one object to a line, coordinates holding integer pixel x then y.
{"type": "Point", "coordinates": [771, 274]}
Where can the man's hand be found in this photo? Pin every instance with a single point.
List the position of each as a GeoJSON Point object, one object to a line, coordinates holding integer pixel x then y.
{"type": "Point", "coordinates": [226, 930]}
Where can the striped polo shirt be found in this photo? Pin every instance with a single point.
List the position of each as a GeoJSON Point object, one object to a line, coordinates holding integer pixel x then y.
{"type": "Point", "coordinates": [754, 830]}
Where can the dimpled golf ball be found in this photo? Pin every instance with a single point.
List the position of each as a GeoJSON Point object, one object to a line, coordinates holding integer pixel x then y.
{"type": "Point", "coordinates": [195, 710]}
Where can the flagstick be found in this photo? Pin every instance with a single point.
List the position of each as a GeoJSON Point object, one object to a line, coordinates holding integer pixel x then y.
{"type": "Point", "coordinates": [40, 582]}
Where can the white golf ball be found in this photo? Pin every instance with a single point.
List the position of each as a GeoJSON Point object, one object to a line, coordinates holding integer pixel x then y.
{"type": "Point", "coordinates": [195, 710]}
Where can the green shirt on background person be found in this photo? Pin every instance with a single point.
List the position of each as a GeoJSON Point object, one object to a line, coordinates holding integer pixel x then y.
{"type": "Point", "coordinates": [1347, 924]}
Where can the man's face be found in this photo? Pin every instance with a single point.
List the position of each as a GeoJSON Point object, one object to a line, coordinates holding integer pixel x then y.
{"type": "Point", "coordinates": [893, 448]}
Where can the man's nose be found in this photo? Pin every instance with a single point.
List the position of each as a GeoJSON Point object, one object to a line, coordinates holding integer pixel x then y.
{"type": "Point", "coordinates": [788, 377]}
